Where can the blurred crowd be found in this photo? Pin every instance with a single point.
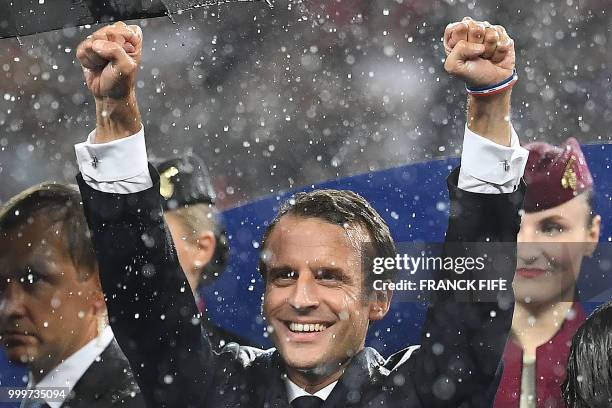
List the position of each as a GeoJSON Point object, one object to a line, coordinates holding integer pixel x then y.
{"type": "Point", "coordinates": [306, 91]}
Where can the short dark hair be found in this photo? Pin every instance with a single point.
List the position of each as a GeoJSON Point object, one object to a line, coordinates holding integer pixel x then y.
{"type": "Point", "coordinates": [346, 209]}
{"type": "Point", "coordinates": [589, 367]}
{"type": "Point", "coordinates": [58, 204]}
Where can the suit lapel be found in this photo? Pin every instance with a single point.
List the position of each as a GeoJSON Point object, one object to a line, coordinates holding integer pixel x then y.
{"type": "Point", "coordinates": [362, 373]}
{"type": "Point", "coordinates": [97, 380]}
{"type": "Point", "coordinates": [275, 390]}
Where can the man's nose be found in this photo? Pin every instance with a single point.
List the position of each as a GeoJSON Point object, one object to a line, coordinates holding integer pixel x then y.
{"type": "Point", "coordinates": [304, 294]}
{"type": "Point", "coordinates": [12, 301]}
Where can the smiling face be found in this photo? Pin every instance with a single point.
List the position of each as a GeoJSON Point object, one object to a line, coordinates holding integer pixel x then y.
{"type": "Point", "coordinates": [552, 244]}
{"type": "Point", "coordinates": [47, 309]}
{"type": "Point", "coordinates": [314, 301]}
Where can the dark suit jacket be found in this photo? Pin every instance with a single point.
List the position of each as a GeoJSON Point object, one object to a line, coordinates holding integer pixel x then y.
{"type": "Point", "coordinates": [220, 337]}
{"type": "Point", "coordinates": [152, 314]}
{"type": "Point", "coordinates": [108, 382]}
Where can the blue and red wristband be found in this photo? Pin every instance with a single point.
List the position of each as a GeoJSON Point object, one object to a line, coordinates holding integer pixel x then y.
{"type": "Point", "coordinates": [493, 89]}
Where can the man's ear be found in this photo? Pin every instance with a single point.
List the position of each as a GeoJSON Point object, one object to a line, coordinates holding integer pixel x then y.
{"type": "Point", "coordinates": [205, 248]}
{"type": "Point", "coordinates": [593, 235]}
{"type": "Point", "coordinates": [95, 292]}
{"type": "Point", "coordinates": [380, 302]}
{"type": "Point", "coordinates": [99, 306]}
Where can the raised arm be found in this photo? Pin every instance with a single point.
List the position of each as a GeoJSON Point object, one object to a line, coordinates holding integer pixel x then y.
{"type": "Point", "coordinates": [483, 56]}
{"type": "Point", "coordinates": [151, 309]}
{"type": "Point", "coordinates": [459, 361]}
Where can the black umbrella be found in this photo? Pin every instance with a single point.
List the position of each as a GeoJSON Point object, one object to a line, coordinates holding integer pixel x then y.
{"type": "Point", "coordinates": [25, 17]}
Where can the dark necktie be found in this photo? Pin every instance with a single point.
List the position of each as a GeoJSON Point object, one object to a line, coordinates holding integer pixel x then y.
{"type": "Point", "coordinates": [307, 401]}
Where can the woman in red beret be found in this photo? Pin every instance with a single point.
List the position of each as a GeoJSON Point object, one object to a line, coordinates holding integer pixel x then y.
{"type": "Point", "coordinates": [558, 229]}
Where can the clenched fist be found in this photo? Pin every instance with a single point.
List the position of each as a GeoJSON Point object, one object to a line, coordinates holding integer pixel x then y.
{"type": "Point", "coordinates": [478, 52]}
{"type": "Point", "coordinates": [110, 58]}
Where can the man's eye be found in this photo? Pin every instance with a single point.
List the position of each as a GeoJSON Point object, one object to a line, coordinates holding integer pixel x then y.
{"type": "Point", "coordinates": [324, 274]}
{"type": "Point", "coordinates": [30, 279]}
{"type": "Point", "coordinates": [286, 275]}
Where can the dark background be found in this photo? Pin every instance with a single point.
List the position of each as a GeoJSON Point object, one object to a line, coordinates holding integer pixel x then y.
{"type": "Point", "coordinates": [308, 91]}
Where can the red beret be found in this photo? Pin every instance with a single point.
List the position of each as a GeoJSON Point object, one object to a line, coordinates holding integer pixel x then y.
{"type": "Point", "coordinates": [555, 174]}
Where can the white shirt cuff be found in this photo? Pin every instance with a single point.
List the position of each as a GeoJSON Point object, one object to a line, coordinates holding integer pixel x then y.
{"type": "Point", "coordinates": [491, 168]}
{"type": "Point", "coordinates": [119, 166]}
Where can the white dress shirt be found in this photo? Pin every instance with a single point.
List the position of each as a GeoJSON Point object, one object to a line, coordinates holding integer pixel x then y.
{"type": "Point", "coordinates": [294, 391]}
{"type": "Point", "coordinates": [121, 166]}
{"type": "Point", "coordinates": [72, 369]}
{"type": "Point", "coordinates": [115, 167]}
{"type": "Point", "coordinates": [490, 168]}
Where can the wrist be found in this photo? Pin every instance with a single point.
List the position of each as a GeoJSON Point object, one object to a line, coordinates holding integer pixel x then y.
{"type": "Point", "coordinates": [493, 89]}
{"type": "Point", "coordinates": [497, 104]}
{"type": "Point", "coordinates": [116, 118]}
{"type": "Point", "coordinates": [490, 117]}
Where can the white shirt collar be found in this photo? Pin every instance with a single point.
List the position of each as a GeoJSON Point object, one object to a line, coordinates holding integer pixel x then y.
{"type": "Point", "coordinates": [72, 369]}
{"type": "Point", "coordinates": [294, 391]}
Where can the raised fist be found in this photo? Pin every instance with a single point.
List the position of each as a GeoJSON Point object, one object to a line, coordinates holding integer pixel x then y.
{"type": "Point", "coordinates": [478, 52]}
{"type": "Point", "coordinates": [110, 58]}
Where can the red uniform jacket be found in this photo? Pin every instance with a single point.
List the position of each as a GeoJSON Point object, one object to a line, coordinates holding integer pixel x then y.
{"type": "Point", "coordinates": [551, 362]}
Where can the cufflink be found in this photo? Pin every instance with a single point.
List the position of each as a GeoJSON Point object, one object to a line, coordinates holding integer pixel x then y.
{"type": "Point", "coordinates": [506, 165]}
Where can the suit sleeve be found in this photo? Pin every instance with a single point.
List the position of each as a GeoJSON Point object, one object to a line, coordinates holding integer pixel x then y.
{"type": "Point", "coordinates": [459, 361]}
{"type": "Point", "coordinates": [151, 309]}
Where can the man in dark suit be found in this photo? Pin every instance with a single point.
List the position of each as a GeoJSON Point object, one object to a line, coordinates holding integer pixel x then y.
{"type": "Point", "coordinates": [317, 301]}
{"type": "Point", "coordinates": [197, 231]}
{"type": "Point", "coordinates": [52, 311]}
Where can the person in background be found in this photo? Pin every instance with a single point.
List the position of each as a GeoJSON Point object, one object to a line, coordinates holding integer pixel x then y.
{"type": "Point", "coordinates": [558, 229]}
{"type": "Point", "coordinates": [52, 310]}
{"type": "Point", "coordinates": [197, 230]}
{"type": "Point", "coordinates": [588, 383]}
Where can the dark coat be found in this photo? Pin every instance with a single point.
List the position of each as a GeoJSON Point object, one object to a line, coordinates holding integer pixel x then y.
{"type": "Point", "coordinates": [220, 337]}
{"type": "Point", "coordinates": [108, 382]}
{"type": "Point", "coordinates": [152, 313]}
{"type": "Point", "coordinates": [217, 335]}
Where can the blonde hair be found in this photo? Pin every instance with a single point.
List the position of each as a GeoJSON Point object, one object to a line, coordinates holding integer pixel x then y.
{"type": "Point", "coordinates": [205, 217]}
{"type": "Point", "coordinates": [198, 217]}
